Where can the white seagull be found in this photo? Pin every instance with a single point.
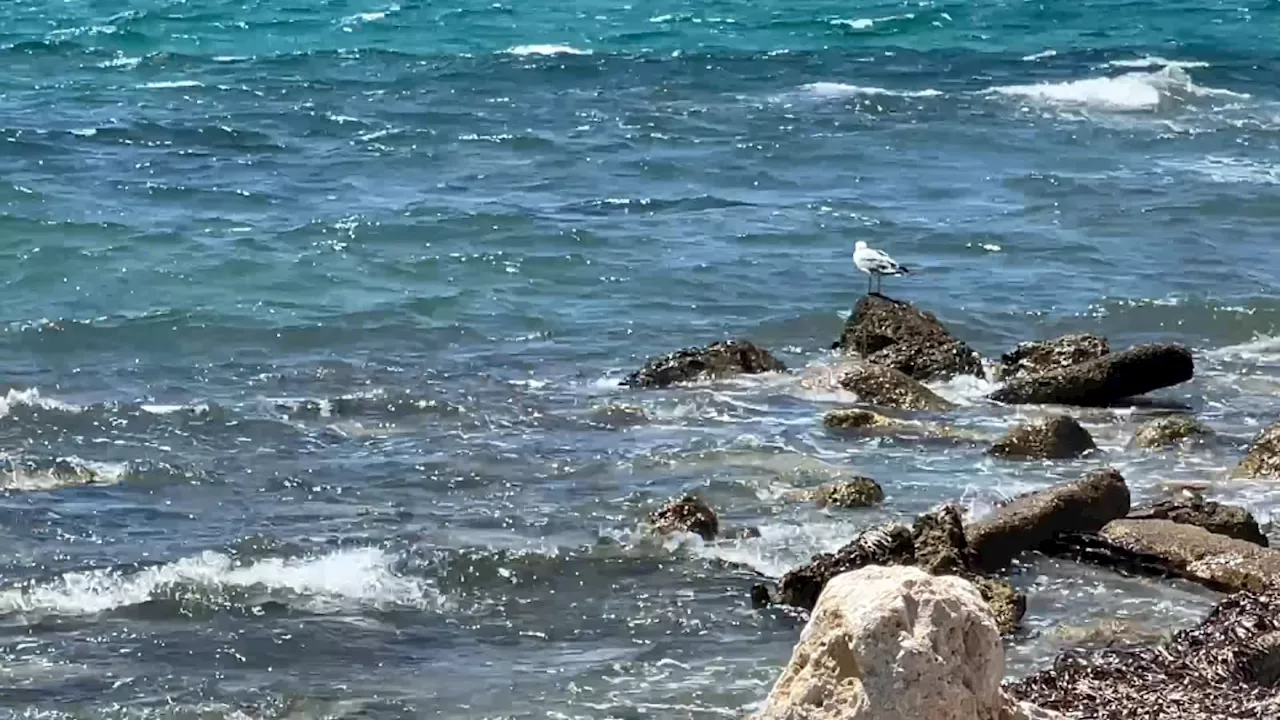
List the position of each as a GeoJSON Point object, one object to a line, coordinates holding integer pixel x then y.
{"type": "Point", "coordinates": [875, 264]}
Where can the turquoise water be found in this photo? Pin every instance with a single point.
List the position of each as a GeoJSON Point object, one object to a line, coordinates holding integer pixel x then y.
{"type": "Point", "coordinates": [314, 314]}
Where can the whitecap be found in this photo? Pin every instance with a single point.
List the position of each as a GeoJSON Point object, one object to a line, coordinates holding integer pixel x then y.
{"type": "Point", "coordinates": [31, 398]}
{"type": "Point", "coordinates": [546, 50]}
{"type": "Point", "coordinates": [1229, 170]}
{"type": "Point", "coordinates": [835, 89]}
{"type": "Point", "coordinates": [1043, 54]}
{"type": "Point", "coordinates": [165, 84]}
{"type": "Point", "coordinates": [1155, 61]}
{"type": "Point", "coordinates": [1131, 92]}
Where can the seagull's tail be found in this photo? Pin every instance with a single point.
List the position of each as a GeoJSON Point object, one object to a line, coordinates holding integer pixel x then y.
{"type": "Point", "coordinates": [903, 270]}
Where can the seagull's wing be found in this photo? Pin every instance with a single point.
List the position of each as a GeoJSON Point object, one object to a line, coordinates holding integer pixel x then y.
{"type": "Point", "coordinates": [878, 262]}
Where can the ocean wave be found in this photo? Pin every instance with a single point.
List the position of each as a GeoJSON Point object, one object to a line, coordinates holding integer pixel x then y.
{"type": "Point", "coordinates": [1131, 92]}
{"type": "Point", "coordinates": [869, 23]}
{"type": "Point", "coordinates": [1231, 170]}
{"type": "Point", "coordinates": [31, 398]}
{"type": "Point", "coordinates": [1042, 55]}
{"type": "Point", "coordinates": [171, 84]}
{"type": "Point", "coordinates": [545, 50]}
{"type": "Point", "coordinates": [1155, 61]}
{"type": "Point", "coordinates": [332, 582]}
{"type": "Point", "coordinates": [835, 89]}
{"type": "Point", "coordinates": [39, 475]}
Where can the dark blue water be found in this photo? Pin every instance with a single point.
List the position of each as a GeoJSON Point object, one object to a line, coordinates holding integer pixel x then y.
{"type": "Point", "coordinates": [314, 315]}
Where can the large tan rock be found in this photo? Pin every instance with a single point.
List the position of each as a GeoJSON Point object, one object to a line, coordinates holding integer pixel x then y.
{"type": "Point", "coordinates": [896, 643]}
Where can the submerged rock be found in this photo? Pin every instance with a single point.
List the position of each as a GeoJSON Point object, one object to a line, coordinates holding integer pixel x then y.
{"type": "Point", "coordinates": [687, 513]}
{"type": "Point", "coordinates": [857, 492]}
{"type": "Point", "coordinates": [1226, 668]}
{"type": "Point", "coordinates": [800, 587]}
{"type": "Point", "coordinates": [1034, 358]}
{"type": "Point", "coordinates": [717, 360]}
{"type": "Point", "coordinates": [1028, 521]}
{"type": "Point", "coordinates": [895, 643]}
{"type": "Point", "coordinates": [1053, 438]}
{"type": "Point", "coordinates": [1213, 516]}
{"type": "Point", "coordinates": [1112, 378]}
{"type": "Point", "coordinates": [856, 418]}
{"type": "Point", "coordinates": [1168, 430]}
{"type": "Point", "coordinates": [1263, 459]}
{"type": "Point", "coordinates": [884, 386]}
{"type": "Point", "coordinates": [901, 336]}
{"type": "Point", "coordinates": [1166, 548]}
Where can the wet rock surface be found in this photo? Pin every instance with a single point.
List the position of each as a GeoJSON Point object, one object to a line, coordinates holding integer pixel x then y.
{"type": "Point", "coordinates": [1263, 459]}
{"type": "Point", "coordinates": [1034, 358]}
{"type": "Point", "coordinates": [887, 387]}
{"type": "Point", "coordinates": [717, 360]}
{"type": "Point", "coordinates": [856, 492]}
{"type": "Point", "coordinates": [1108, 380]}
{"type": "Point", "coordinates": [1054, 438]}
{"type": "Point", "coordinates": [800, 587]}
{"type": "Point", "coordinates": [899, 335]}
{"type": "Point", "coordinates": [1194, 509]}
{"type": "Point", "coordinates": [1169, 430]}
{"type": "Point", "coordinates": [856, 419]}
{"type": "Point", "coordinates": [1028, 521]}
{"type": "Point", "coordinates": [1225, 668]}
{"type": "Point", "coordinates": [687, 513]}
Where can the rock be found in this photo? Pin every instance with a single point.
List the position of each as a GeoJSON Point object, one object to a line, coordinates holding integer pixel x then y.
{"type": "Point", "coordinates": [940, 544]}
{"type": "Point", "coordinates": [856, 418]}
{"type": "Point", "coordinates": [895, 643]}
{"type": "Point", "coordinates": [1226, 668]}
{"type": "Point", "coordinates": [1168, 430]}
{"type": "Point", "coordinates": [1006, 603]}
{"type": "Point", "coordinates": [1034, 358]}
{"type": "Point", "coordinates": [1105, 381]}
{"type": "Point", "coordinates": [686, 514]}
{"type": "Point", "coordinates": [1215, 517]}
{"type": "Point", "coordinates": [855, 493]}
{"type": "Point", "coordinates": [717, 360]}
{"type": "Point", "coordinates": [880, 385]}
{"type": "Point", "coordinates": [1167, 548]}
{"type": "Point", "coordinates": [901, 336]}
{"type": "Point", "coordinates": [1028, 521]}
{"type": "Point", "coordinates": [1263, 459]}
{"type": "Point", "coordinates": [800, 587]}
{"type": "Point", "coordinates": [1057, 437]}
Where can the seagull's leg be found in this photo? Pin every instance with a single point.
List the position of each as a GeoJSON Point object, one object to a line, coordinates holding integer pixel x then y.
{"type": "Point", "coordinates": [869, 279]}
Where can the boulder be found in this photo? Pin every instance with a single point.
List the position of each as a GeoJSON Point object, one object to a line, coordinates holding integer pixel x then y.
{"type": "Point", "coordinates": [857, 492]}
{"type": "Point", "coordinates": [1034, 358]}
{"type": "Point", "coordinates": [1028, 521]}
{"type": "Point", "coordinates": [1054, 438]}
{"type": "Point", "coordinates": [884, 386]}
{"type": "Point", "coordinates": [1007, 603]}
{"type": "Point", "coordinates": [1226, 668]}
{"type": "Point", "coordinates": [717, 360]}
{"type": "Point", "coordinates": [895, 643]}
{"type": "Point", "coordinates": [1263, 459]}
{"type": "Point", "coordinates": [901, 336]}
{"type": "Point", "coordinates": [1166, 548]}
{"type": "Point", "coordinates": [1107, 380]}
{"type": "Point", "coordinates": [856, 419]}
{"type": "Point", "coordinates": [1167, 430]}
{"type": "Point", "coordinates": [800, 587]}
{"type": "Point", "coordinates": [687, 513]}
{"type": "Point", "coordinates": [1215, 517]}
{"type": "Point", "coordinates": [942, 549]}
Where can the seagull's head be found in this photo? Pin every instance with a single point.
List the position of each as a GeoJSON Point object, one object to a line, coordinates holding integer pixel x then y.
{"type": "Point", "coordinates": [860, 245]}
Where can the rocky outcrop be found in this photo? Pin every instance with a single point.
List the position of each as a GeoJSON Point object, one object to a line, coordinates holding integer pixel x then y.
{"type": "Point", "coordinates": [717, 360]}
{"type": "Point", "coordinates": [1226, 668]}
{"type": "Point", "coordinates": [1168, 430]}
{"type": "Point", "coordinates": [1108, 380]}
{"type": "Point", "coordinates": [1028, 521]}
{"type": "Point", "coordinates": [895, 643]}
{"type": "Point", "coordinates": [887, 387]}
{"type": "Point", "coordinates": [1034, 358]}
{"type": "Point", "coordinates": [856, 492]}
{"type": "Point", "coordinates": [940, 544]}
{"type": "Point", "coordinates": [1053, 438]}
{"type": "Point", "coordinates": [1169, 549]}
{"type": "Point", "coordinates": [686, 514]}
{"type": "Point", "coordinates": [856, 419]}
{"type": "Point", "coordinates": [901, 336]}
{"type": "Point", "coordinates": [800, 587]}
{"type": "Point", "coordinates": [1215, 517]}
{"type": "Point", "coordinates": [1263, 459]}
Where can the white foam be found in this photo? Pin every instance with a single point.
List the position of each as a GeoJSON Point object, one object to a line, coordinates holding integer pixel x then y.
{"type": "Point", "coordinates": [31, 398]}
{"type": "Point", "coordinates": [86, 472]}
{"type": "Point", "coordinates": [546, 50]}
{"type": "Point", "coordinates": [835, 89]}
{"type": "Point", "coordinates": [1155, 61]}
{"type": "Point", "coordinates": [1043, 54]}
{"type": "Point", "coordinates": [121, 61]}
{"type": "Point", "coordinates": [368, 17]}
{"type": "Point", "coordinates": [868, 23]}
{"type": "Point", "coordinates": [329, 582]}
{"type": "Point", "coordinates": [1231, 170]}
{"type": "Point", "coordinates": [166, 84]}
{"type": "Point", "coordinates": [963, 389]}
{"type": "Point", "coordinates": [1131, 92]}
{"type": "Point", "coordinates": [1261, 347]}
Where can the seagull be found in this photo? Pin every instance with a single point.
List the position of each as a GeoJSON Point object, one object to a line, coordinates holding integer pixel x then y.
{"type": "Point", "coordinates": [875, 264]}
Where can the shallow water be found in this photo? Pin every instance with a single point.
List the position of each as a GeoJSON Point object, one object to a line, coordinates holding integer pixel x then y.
{"type": "Point", "coordinates": [315, 312]}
